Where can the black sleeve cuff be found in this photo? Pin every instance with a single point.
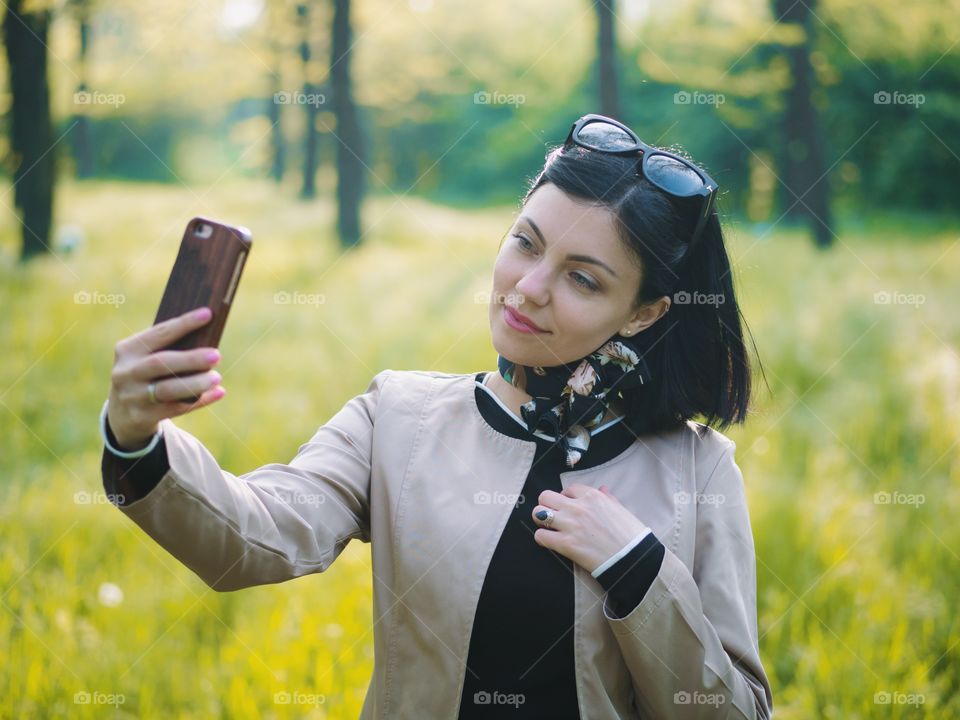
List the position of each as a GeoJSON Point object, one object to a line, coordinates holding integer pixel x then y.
{"type": "Point", "coordinates": [629, 578]}
{"type": "Point", "coordinates": [130, 479]}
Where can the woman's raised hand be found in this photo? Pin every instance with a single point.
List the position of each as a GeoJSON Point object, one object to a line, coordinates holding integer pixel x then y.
{"type": "Point", "coordinates": [138, 361]}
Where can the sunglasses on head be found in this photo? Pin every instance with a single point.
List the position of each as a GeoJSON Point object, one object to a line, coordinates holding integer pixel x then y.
{"type": "Point", "coordinates": [671, 173]}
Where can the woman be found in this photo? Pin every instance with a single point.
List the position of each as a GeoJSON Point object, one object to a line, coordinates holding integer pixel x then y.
{"type": "Point", "coordinates": [554, 539]}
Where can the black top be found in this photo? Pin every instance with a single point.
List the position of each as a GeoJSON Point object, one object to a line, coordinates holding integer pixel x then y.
{"type": "Point", "coordinates": [521, 647]}
{"type": "Point", "coordinates": [521, 656]}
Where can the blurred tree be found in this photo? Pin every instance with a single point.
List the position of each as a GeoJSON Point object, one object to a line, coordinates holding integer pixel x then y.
{"type": "Point", "coordinates": [82, 141]}
{"type": "Point", "coordinates": [278, 145]}
{"type": "Point", "coordinates": [32, 146]}
{"type": "Point", "coordinates": [310, 98]}
{"type": "Point", "coordinates": [607, 58]}
{"type": "Point", "coordinates": [804, 189]}
{"type": "Point", "coordinates": [348, 136]}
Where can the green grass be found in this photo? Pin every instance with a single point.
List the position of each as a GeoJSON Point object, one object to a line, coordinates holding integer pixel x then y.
{"type": "Point", "coordinates": [855, 596]}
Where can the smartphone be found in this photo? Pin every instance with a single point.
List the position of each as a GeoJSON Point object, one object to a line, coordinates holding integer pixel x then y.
{"type": "Point", "coordinates": [206, 273]}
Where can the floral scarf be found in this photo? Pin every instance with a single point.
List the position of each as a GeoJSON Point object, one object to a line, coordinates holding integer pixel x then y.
{"type": "Point", "coordinates": [569, 399]}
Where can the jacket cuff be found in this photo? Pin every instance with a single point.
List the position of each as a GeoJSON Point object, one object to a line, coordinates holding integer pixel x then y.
{"type": "Point", "coordinates": [127, 480]}
{"type": "Point", "coordinates": [629, 578]}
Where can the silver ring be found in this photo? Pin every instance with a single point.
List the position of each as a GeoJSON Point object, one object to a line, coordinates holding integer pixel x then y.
{"type": "Point", "coordinates": [152, 392]}
{"type": "Point", "coordinates": [548, 520]}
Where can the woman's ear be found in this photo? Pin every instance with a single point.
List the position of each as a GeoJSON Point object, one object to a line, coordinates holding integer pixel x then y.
{"type": "Point", "coordinates": [647, 316]}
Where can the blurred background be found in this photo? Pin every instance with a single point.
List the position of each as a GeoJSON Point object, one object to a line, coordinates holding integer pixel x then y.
{"type": "Point", "coordinates": [377, 151]}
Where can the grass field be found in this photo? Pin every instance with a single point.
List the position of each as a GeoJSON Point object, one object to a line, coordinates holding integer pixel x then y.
{"type": "Point", "coordinates": [849, 458]}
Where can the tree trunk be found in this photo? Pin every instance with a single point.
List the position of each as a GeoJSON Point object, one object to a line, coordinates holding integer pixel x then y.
{"type": "Point", "coordinates": [350, 151]}
{"type": "Point", "coordinates": [82, 140]}
{"type": "Point", "coordinates": [31, 128]}
{"type": "Point", "coordinates": [278, 147]}
{"type": "Point", "coordinates": [804, 191]}
{"type": "Point", "coordinates": [309, 189]}
{"type": "Point", "coordinates": [607, 59]}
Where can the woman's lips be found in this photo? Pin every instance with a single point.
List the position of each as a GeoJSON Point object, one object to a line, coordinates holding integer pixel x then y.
{"type": "Point", "coordinates": [511, 319]}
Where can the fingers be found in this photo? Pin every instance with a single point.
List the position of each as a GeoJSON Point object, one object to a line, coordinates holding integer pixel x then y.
{"type": "Point", "coordinates": [554, 499]}
{"type": "Point", "coordinates": [540, 517]}
{"type": "Point", "coordinates": [184, 389]}
{"type": "Point", "coordinates": [207, 398]}
{"type": "Point", "coordinates": [164, 333]}
{"type": "Point", "coordinates": [164, 363]}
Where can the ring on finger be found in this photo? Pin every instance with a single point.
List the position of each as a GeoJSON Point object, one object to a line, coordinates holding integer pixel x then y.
{"type": "Point", "coordinates": [152, 392]}
{"type": "Point", "coordinates": [546, 516]}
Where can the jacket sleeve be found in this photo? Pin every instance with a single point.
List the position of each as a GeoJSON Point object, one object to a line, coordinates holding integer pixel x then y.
{"type": "Point", "coordinates": [691, 644]}
{"type": "Point", "coordinates": [271, 524]}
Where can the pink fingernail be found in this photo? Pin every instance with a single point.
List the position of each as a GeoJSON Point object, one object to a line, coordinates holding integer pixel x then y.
{"type": "Point", "coordinates": [213, 356]}
{"type": "Point", "coordinates": [202, 314]}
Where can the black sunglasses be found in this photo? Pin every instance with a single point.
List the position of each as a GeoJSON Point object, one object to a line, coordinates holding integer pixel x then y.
{"type": "Point", "coordinates": [671, 173]}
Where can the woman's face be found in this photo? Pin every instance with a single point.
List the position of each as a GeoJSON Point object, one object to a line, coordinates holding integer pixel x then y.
{"type": "Point", "coordinates": [564, 267]}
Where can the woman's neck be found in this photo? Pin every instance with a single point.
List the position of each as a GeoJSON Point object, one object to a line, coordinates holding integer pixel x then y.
{"type": "Point", "coordinates": [514, 397]}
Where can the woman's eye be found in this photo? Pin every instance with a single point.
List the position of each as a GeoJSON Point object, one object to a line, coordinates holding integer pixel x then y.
{"type": "Point", "coordinates": [583, 282]}
{"type": "Point", "coordinates": [524, 239]}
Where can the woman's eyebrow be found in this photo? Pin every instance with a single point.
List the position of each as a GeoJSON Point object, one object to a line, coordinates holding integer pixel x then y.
{"type": "Point", "coordinates": [578, 258]}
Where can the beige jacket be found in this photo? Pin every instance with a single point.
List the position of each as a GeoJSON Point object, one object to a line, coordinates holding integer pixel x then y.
{"type": "Point", "coordinates": [411, 467]}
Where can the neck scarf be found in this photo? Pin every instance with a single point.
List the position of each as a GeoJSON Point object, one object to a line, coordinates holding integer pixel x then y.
{"type": "Point", "coordinates": [569, 399]}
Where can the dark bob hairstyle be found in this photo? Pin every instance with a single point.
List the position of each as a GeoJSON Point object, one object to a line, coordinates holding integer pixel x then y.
{"type": "Point", "coordinates": [695, 351]}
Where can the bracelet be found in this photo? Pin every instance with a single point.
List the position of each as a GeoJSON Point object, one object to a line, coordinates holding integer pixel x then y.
{"type": "Point", "coordinates": [120, 453]}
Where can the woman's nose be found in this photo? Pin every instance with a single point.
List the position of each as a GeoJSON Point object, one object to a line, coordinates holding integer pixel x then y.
{"type": "Point", "coordinates": [534, 286]}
